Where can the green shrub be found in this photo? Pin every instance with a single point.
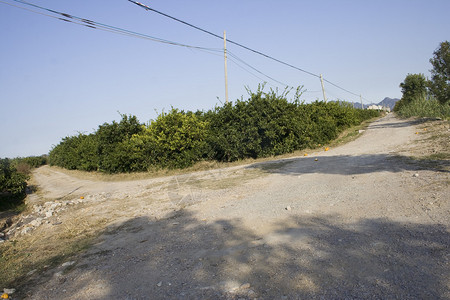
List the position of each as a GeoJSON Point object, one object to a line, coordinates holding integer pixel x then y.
{"type": "Point", "coordinates": [24, 165]}
{"type": "Point", "coordinates": [268, 124]}
{"type": "Point", "coordinates": [175, 139]}
{"type": "Point", "coordinates": [12, 184]}
{"type": "Point", "coordinates": [422, 107]}
{"type": "Point", "coordinates": [264, 125]}
{"type": "Point", "coordinates": [76, 153]}
{"type": "Point", "coordinates": [109, 137]}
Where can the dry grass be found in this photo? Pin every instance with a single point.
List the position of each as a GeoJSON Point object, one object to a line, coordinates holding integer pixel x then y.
{"type": "Point", "coordinates": [48, 246]}
{"type": "Point", "coordinates": [434, 142]}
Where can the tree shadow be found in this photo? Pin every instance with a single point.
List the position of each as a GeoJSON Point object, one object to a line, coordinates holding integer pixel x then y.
{"type": "Point", "coordinates": [351, 165]}
{"type": "Point", "coordinates": [298, 258]}
{"type": "Point", "coordinates": [399, 124]}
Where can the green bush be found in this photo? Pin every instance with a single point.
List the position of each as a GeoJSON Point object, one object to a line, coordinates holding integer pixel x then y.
{"type": "Point", "coordinates": [112, 139]}
{"type": "Point", "coordinates": [32, 161]}
{"type": "Point", "coordinates": [264, 125]}
{"type": "Point", "coordinates": [268, 124]}
{"type": "Point", "coordinates": [422, 107]}
{"type": "Point", "coordinates": [24, 165]}
{"type": "Point", "coordinates": [12, 184]}
{"type": "Point", "coordinates": [176, 139]}
{"type": "Point", "coordinates": [75, 152]}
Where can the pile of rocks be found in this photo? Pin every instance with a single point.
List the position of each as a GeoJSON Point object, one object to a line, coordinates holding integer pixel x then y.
{"type": "Point", "coordinates": [41, 214]}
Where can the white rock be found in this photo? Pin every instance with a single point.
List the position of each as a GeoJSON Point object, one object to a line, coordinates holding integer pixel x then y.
{"type": "Point", "coordinates": [416, 175]}
{"type": "Point", "coordinates": [31, 272]}
{"type": "Point", "coordinates": [69, 263]}
{"type": "Point", "coordinates": [159, 283]}
{"type": "Point", "coordinates": [288, 208]}
{"type": "Point", "coordinates": [245, 286]}
{"type": "Point", "coordinates": [26, 230]}
{"type": "Point", "coordinates": [9, 291]}
{"type": "Point", "coordinates": [49, 213]}
{"type": "Point", "coordinates": [37, 222]}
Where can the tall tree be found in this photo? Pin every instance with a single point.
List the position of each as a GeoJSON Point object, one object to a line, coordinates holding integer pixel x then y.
{"type": "Point", "coordinates": [440, 74]}
{"type": "Point", "coordinates": [414, 87]}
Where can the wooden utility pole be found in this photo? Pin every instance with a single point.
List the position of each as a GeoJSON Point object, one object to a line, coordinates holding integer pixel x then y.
{"type": "Point", "coordinates": [360, 98]}
{"type": "Point", "coordinates": [226, 73]}
{"type": "Point", "coordinates": [323, 89]}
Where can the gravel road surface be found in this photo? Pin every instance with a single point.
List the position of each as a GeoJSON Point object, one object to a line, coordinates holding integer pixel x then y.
{"type": "Point", "coordinates": [360, 221]}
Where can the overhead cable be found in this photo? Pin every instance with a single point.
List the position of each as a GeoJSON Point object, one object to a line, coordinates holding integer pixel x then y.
{"type": "Point", "coordinates": [220, 37]}
{"type": "Point", "coordinates": [253, 68]}
{"type": "Point", "coordinates": [146, 7]}
{"type": "Point", "coordinates": [100, 26]}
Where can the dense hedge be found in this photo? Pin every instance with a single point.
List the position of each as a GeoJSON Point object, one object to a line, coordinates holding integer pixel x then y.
{"type": "Point", "coordinates": [12, 184]}
{"type": "Point", "coordinates": [266, 124]}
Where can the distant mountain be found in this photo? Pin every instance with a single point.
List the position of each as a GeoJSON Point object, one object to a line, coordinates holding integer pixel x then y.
{"type": "Point", "coordinates": [389, 102]}
{"type": "Point", "coordinates": [386, 102]}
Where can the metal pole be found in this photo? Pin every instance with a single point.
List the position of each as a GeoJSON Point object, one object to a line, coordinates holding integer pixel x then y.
{"type": "Point", "coordinates": [226, 73]}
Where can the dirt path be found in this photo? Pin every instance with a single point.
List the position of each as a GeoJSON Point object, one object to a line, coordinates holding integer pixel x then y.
{"type": "Point", "coordinates": [359, 221]}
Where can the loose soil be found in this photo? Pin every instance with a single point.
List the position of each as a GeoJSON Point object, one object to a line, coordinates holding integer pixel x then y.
{"type": "Point", "coordinates": [366, 220]}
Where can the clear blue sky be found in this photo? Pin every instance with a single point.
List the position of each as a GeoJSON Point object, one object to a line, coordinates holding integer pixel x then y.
{"type": "Point", "coordinates": [58, 78]}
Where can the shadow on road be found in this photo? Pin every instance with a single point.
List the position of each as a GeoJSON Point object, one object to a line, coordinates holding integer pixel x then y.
{"type": "Point", "coordinates": [351, 165]}
{"type": "Point", "coordinates": [399, 124]}
{"type": "Point", "coordinates": [300, 258]}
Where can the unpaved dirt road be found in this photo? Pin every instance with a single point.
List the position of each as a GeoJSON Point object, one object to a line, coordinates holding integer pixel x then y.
{"type": "Point", "coordinates": [360, 222]}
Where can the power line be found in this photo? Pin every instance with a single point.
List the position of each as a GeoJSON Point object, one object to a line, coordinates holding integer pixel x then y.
{"type": "Point", "coordinates": [253, 68]}
{"type": "Point", "coordinates": [340, 87]}
{"type": "Point", "coordinates": [146, 7]}
{"type": "Point", "coordinates": [100, 26]}
{"type": "Point", "coordinates": [90, 24]}
{"type": "Point", "coordinates": [104, 27]}
{"type": "Point", "coordinates": [220, 37]}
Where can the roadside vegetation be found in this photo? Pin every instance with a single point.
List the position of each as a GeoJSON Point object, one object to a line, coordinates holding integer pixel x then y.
{"type": "Point", "coordinates": [424, 97]}
{"type": "Point", "coordinates": [14, 174]}
{"type": "Point", "coordinates": [265, 125]}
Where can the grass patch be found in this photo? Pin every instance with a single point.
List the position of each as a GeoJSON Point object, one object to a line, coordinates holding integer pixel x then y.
{"type": "Point", "coordinates": [436, 156]}
{"type": "Point", "coordinates": [46, 248]}
{"type": "Point", "coordinates": [422, 107]}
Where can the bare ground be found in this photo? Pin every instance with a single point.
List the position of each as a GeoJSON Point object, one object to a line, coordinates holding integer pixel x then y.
{"type": "Point", "coordinates": [360, 221]}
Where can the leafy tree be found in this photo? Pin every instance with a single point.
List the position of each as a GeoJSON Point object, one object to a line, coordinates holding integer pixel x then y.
{"type": "Point", "coordinates": [440, 74]}
{"type": "Point", "coordinates": [414, 86]}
